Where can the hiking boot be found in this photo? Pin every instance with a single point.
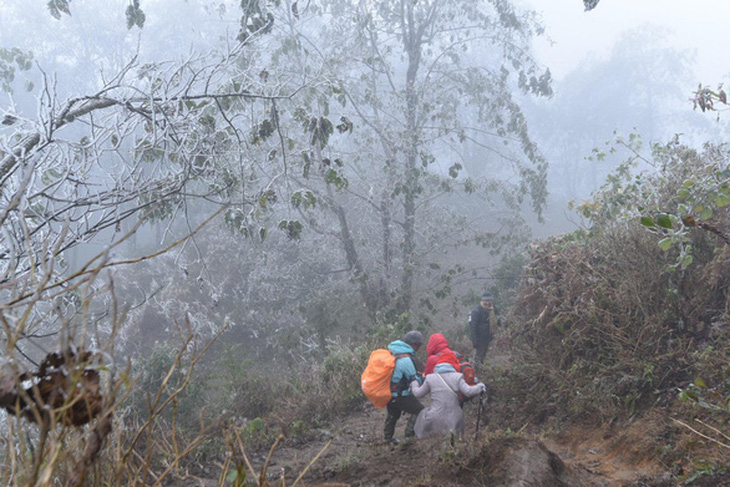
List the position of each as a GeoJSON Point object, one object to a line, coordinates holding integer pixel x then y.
{"type": "Point", "coordinates": [392, 441]}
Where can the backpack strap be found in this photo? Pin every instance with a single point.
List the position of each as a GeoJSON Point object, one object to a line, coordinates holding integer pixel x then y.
{"type": "Point", "coordinates": [403, 383]}
{"type": "Point", "coordinates": [447, 385]}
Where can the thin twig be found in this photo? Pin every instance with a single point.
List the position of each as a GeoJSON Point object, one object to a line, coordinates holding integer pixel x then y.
{"type": "Point", "coordinates": [713, 429]}
{"type": "Point", "coordinates": [301, 475]}
{"type": "Point", "coordinates": [700, 434]}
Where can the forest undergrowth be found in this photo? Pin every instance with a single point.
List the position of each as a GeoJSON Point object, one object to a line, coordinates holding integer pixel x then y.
{"type": "Point", "coordinates": [632, 315]}
{"type": "Point", "coordinates": [626, 320]}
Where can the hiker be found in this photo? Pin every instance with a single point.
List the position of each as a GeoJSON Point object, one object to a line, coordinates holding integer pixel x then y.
{"type": "Point", "coordinates": [404, 374]}
{"type": "Point", "coordinates": [483, 321]}
{"type": "Point", "coordinates": [438, 350]}
{"type": "Point", "coordinates": [445, 414]}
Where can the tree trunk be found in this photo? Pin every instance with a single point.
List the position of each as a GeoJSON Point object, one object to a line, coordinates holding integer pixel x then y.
{"type": "Point", "coordinates": [412, 40]}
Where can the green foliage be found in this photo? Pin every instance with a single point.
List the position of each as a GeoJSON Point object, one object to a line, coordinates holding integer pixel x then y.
{"type": "Point", "coordinates": [134, 15]}
{"type": "Point", "coordinates": [258, 434]}
{"type": "Point", "coordinates": [292, 228]}
{"type": "Point", "coordinates": [706, 98]}
{"type": "Point", "coordinates": [243, 387]}
{"type": "Point", "coordinates": [256, 18]}
{"type": "Point", "coordinates": [320, 130]}
{"type": "Point", "coordinates": [613, 316]}
{"type": "Point", "coordinates": [688, 191]}
{"type": "Point", "coordinates": [303, 199]}
{"type": "Point", "coordinates": [262, 131]}
{"type": "Point", "coordinates": [10, 61]}
{"type": "Point", "coordinates": [58, 7]}
{"type": "Point", "coordinates": [703, 468]}
{"type": "Point", "coordinates": [590, 4]}
{"type": "Point", "coordinates": [159, 207]}
{"type": "Point", "coordinates": [237, 477]}
{"type": "Point", "coordinates": [152, 371]}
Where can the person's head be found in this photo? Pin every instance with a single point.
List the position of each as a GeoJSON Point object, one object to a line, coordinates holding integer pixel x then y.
{"type": "Point", "coordinates": [414, 338]}
{"type": "Point", "coordinates": [487, 301]}
{"type": "Point", "coordinates": [436, 344]}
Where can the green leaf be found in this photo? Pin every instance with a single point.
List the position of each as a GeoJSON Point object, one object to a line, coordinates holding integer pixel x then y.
{"type": "Point", "coordinates": [687, 396]}
{"type": "Point", "coordinates": [130, 14]}
{"type": "Point", "coordinates": [706, 213]}
{"type": "Point", "coordinates": [664, 221]}
{"type": "Point", "coordinates": [135, 16]}
{"type": "Point", "coordinates": [293, 228]}
{"type": "Point", "coordinates": [687, 261]}
{"type": "Point", "coordinates": [647, 221]}
{"type": "Point", "coordinates": [140, 18]}
{"type": "Point", "coordinates": [665, 243]}
{"type": "Point", "coordinates": [722, 201]}
{"type": "Point", "coordinates": [700, 383]}
{"type": "Point", "coordinates": [454, 170]}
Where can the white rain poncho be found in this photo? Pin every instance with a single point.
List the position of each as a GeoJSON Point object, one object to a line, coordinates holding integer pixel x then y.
{"type": "Point", "coordinates": [444, 414]}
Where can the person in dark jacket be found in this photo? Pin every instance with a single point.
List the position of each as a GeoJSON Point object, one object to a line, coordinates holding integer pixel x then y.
{"type": "Point", "coordinates": [404, 373]}
{"type": "Point", "coordinates": [482, 320]}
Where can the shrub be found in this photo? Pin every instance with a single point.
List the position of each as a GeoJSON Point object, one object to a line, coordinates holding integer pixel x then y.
{"type": "Point", "coordinates": [613, 319]}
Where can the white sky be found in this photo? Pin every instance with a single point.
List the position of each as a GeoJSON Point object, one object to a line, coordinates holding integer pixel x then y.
{"type": "Point", "coordinates": [703, 25]}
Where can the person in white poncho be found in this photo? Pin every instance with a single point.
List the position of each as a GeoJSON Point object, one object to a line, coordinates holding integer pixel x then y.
{"type": "Point", "coordinates": [445, 413]}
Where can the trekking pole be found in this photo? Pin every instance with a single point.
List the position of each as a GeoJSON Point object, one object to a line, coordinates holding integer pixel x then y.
{"type": "Point", "coordinates": [479, 415]}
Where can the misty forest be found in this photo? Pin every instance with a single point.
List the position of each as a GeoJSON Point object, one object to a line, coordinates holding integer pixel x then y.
{"type": "Point", "coordinates": [214, 211]}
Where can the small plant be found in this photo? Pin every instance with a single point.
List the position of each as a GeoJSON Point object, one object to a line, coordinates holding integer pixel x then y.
{"type": "Point", "coordinates": [298, 429]}
{"type": "Point", "coordinates": [238, 467]}
{"type": "Point", "coordinates": [703, 468]}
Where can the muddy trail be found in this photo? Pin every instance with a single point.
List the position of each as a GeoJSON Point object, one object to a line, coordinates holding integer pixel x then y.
{"type": "Point", "coordinates": [352, 453]}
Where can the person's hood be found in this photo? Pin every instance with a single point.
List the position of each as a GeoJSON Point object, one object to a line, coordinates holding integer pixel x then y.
{"type": "Point", "coordinates": [399, 346]}
{"type": "Point", "coordinates": [436, 344]}
{"type": "Point", "coordinates": [444, 368]}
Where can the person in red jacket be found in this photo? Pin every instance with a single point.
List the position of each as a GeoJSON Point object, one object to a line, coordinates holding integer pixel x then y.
{"type": "Point", "coordinates": [438, 351]}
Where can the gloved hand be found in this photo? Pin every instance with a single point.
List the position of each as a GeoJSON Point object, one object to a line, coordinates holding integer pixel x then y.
{"type": "Point", "coordinates": [482, 388]}
{"type": "Point", "coordinates": [414, 384]}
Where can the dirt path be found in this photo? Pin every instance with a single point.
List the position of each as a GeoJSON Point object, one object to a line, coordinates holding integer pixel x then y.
{"type": "Point", "coordinates": [571, 457]}
{"type": "Point", "coordinates": [357, 457]}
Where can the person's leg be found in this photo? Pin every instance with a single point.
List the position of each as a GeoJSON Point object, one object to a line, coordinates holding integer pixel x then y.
{"type": "Point", "coordinates": [480, 353]}
{"type": "Point", "coordinates": [410, 426]}
{"type": "Point", "coordinates": [412, 406]}
{"type": "Point", "coordinates": [391, 419]}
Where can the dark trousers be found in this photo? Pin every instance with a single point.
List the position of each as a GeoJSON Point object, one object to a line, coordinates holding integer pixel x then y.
{"type": "Point", "coordinates": [480, 352]}
{"type": "Point", "coordinates": [397, 406]}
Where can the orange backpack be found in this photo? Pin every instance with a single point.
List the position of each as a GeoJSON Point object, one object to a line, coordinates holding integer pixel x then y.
{"type": "Point", "coordinates": [375, 380]}
{"type": "Point", "coordinates": [467, 369]}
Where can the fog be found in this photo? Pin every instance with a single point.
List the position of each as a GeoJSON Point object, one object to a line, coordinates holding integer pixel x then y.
{"type": "Point", "coordinates": [575, 35]}
{"type": "Point", "coordinates": [212, 211]}
{"type": "Point", "coordinates": [330, 203]}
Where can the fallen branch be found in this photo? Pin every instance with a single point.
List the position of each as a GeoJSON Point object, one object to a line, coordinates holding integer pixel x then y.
{"type": "Point", "coordinates": [700, 434]}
